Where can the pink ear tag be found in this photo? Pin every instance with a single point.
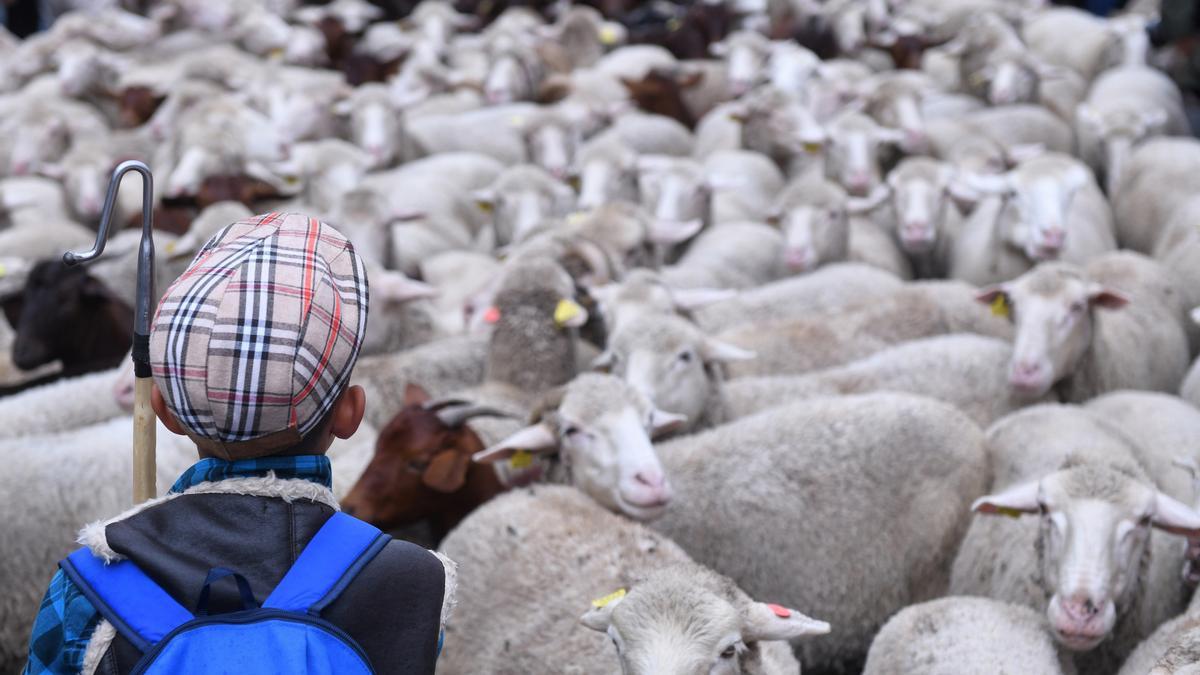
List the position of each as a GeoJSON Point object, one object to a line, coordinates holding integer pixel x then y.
{"type": "Point", "coordinates": [781, 612]}
{"type": "Point", "coordinates": [492, 315]}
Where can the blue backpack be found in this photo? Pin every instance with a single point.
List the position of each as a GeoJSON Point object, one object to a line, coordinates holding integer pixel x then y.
{"type": "Point", "coordinates": [285, 635]}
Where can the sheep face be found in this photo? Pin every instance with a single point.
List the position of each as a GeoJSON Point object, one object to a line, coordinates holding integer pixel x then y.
{"type": "Point", "coordinates": [1093, 542]}
{"type": "Point", "coordinates": [521, 200]}
{"type": "Point", "coordinates": [854, 155]}
{"type": "Point", "coordinates": [603, 180]}
{"type": "Point", "coordinates": [670, 362]}
{"type": "Point", "coordinates": [693, 624]}
{"type": "Point", "coordinates": [508, 80]}
{"type": "Point", "coordinates": [675, 191]}
{"type": "Point", "coordinates": [1053, 309]}
{"type": "Point", "coordinates": [36, 145]}
{"type": "Point", "coordinates": [745, 56]}
{"type": "Point", "coordinates": [374, 127]}
{"type": "Point", "coordinates": [1120, 131]}
{"type": "Point", "coordinates": [601, 430]}
{"type": "Point", "coordinates": [553, 147]}
{"type": "Point", "coordinates": [1041, 201]}
{"type": "Point", "coordinates": [780, 126]}
{"type": "Point", "coordinates": [791, 67]}
{"type": "Point", "coordinates": [85, 183]}
{"type": "Point", "coordinates": [1011, 81]}
{"type": "Point", "coordinates": [814, 235]}
{"type": "Point", "coordinates": [920, 204]}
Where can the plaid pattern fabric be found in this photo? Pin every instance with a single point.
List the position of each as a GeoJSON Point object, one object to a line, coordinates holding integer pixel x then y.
{"type": "Point", "coordinates": [253, 344]}
{"type": "Point", "coordinates": [64, 625]}
{"type": "Point", "coordinates": [66, 620]}
{"type": "Point", "coordinates": [315, 468]}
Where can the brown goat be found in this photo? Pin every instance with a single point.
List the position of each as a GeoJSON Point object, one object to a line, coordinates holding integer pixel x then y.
{"type": "Point", "coordinates": [422, 468]}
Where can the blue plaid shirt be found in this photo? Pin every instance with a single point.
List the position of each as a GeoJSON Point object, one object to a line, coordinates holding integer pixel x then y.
{"type": "Point", "coordinates": [66, 620]}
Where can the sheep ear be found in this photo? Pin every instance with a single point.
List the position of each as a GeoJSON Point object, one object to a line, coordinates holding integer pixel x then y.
{"type": "Point", "coordinates": [723, 352]}
{"type": "Point", "coordinates": [1100, 296]}
{"type": "Point", "coordinates": [1024, 152]}
{"type": "Point", "coordinates": [569, 314]}
{"type": "Point", "coordinates": [764, 622]}
{"type": "Point", "coordinates": [1154, 119]}
{"type": "Point", "coordinates": [397, 287]}
{"type": "Point", "coordinates": [1018, 499]}
{"type": "Point", "coordinates": [671, 233]}
{"type": "Point", "coordinates": [539, 437]}
{"type": "Point", "coordinates": [1078, 177]}
{"type": "Point", "coordinates": [663, 422]}
{"type": "Point", "coordinates": [599, 617]}
{"type": "Point", "coordinates": [1087, 116]}
{"type": "Point", "coordinates": [604, 363]}
{"type": "Point", "coordinates": [52, 170]}
{"type": "Point", "coordinates": [1172, 515]}
{"type": "Point", "coordinates": [988, 295]}
{"type": "Point", "coordinates": [343, 107]}
{"type": "Point", "coordinates": [1196, 316]}
{"type": "Point", "coordinates": [719, 49]}
{"type": "Point", "coordinates": [485, 199]}
{"type": "Point", "coordinates": [860, 205]}
{"type": "Point", "coordinates": [694, 298]}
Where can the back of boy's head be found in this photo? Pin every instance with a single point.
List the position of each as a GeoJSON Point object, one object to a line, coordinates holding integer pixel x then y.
{"type": "Point", "coordinates": [254, 343]}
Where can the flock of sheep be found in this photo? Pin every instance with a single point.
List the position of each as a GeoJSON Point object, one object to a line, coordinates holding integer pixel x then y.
{"type": "Point", "coordinates": [693, 365]}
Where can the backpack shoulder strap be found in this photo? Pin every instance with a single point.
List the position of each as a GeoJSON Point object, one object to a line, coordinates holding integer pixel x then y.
{"type": "Point", "coordinates": [136, 606]}
{"type": "Point", "coordinates": [330, 561]}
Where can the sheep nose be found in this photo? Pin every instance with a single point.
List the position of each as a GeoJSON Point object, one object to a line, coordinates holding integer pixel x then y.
{"type": "Point", "coordinates": [650, 478]}
{"type": "Point", "coordinates": [1027, 368]}
{"type": "Point", "coordinates": [1054, 237]}
{"type": "Point", "coordinates": [1081, 609]}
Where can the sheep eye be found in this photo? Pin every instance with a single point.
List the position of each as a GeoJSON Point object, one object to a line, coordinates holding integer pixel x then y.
{"type": "Point", "coordinates": [572, 431]}
{"type": "Point", "coordinates": [686, 356]}
{"type": "Point", "coordinates": [1078, 307]}
{"type": "Point", "coordinates": [1144, 521]}
{"type": "Point", "coordinates": [730, 652]}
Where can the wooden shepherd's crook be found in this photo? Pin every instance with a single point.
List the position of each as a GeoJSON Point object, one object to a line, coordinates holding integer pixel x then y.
{"type": "Point", "coordinates": [143, 415]}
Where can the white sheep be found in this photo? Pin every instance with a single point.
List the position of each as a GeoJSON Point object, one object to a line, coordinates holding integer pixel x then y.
{"type": "Point", "coordinates": [441, 367]}
{"type": "Point", "coordinates": [1173, 649]}
{"type": "Point", "coordinates": [1178, 250]}
{"type": "Point", "coordinates": [735, 255]}
{"type": "Point", "coordinates": [1161, 175]}
{"type": "Point", "coordinates": [963, 370]}
{"type": "Point", "coordinates": [519, 199]}
{"type": "Point", "coordinates": [877, 481]}
{"type": "Point", "coordinates": [1075, 328]}
{"type": "Point", "coordinates": [829, 289]}
{"type": "Point", "coordinates": [1125, 107]}
{"type": "Point", "coordinates": [1092, 564]}
{"type": "Point", "coordinates": [926, 220]}
{"type": "Point", "coordinates": [675, 614]}
{"type": "Point", "coordinates": [823, 341]}
{"type": "Point", "coordinates": [965, 636]}
{"type": "Point", "coordinates": [1050, 209]}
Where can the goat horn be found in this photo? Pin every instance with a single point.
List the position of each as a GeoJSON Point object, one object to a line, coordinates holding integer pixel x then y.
{"type": "Point", "coordinates": [456, 416]}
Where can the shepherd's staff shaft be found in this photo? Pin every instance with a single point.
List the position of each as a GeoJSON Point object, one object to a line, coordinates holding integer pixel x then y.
{"type": "Point", "coordinates": [143, 414]}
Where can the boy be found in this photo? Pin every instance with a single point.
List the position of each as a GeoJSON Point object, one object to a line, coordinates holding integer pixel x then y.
{"type": "Point", "coordinates": [251, 349]}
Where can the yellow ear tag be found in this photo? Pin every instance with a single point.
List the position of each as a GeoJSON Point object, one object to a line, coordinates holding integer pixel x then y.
{"type": "Point", "coordinates": [601, 603]}
{"type": "Point", "coordinates": [276, 53]}
{"type": "Point", "coordinates": [673, 24]}
{"type": "Point", "coordinates": [3, 270]}
{"type": "Point", "coordinates": [978, 79]}
{"type": "Point", "coordinates": [486, 207]}
{"type": "Point", "coordinates": [565, 311]}
{"type": "Point", "coordinates": [1005, 511]}
{"type": "Point", "coordinates": [521, 459]}
{"type": "Point", "coordinates": [608, 36]}
{"type": "Point", "coordinates": [576, 217]}
{"type": "Point", "coordinates": [517, 120]}
{"type": "Point", "coordinates": [1000, 306]}
{"type": "Point", "coordinates": [291, 180]}
{"type": "Point", "coordinates": [170, 247]}
{"type": "Point", "coordinates": [812, 148]}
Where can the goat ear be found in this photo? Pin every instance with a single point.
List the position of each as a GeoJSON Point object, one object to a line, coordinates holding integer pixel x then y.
{"type": "Point", "coordinates": [447, 471]}
{"type": "Point", "coordinates": [1018, 499]}
{"type": "Point", "coordinates": [1171, 515]}
{"type": "Point", "coordinates": [415, 394]}
{"type": "Point", "coordinates": [762, 622]}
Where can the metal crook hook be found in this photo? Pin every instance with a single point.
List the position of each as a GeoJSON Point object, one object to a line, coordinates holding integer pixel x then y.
{"type": "Point", "coordinates": [145, 268]}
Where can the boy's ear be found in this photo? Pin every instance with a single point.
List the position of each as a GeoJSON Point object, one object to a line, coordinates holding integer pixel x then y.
{"type": "Point", "coordinates": [348, 412]}
{"type": "Point", "coordinates": [164, 413]}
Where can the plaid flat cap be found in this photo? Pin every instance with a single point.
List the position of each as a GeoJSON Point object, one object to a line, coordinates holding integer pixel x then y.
{"type": "Point", "coordinates": [253, 344]}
